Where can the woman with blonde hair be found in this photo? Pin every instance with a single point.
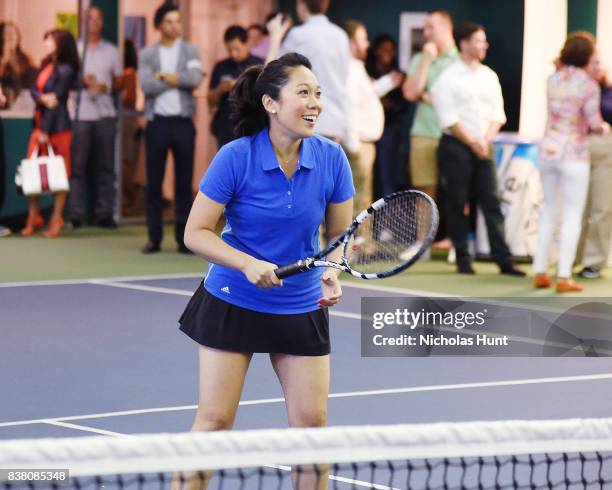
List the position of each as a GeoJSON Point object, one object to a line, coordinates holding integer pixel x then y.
{"type": "Point", "coordinates": [573, 111]}
{"type": "Point", "coordinates": [17, 70]}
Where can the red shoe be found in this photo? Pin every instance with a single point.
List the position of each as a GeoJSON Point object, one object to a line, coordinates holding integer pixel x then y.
{"type": "Point", "coordinates": [541, 281]}
{"type": "Point", "coordinates": [54, 228]}
{"type": "Point", "coordinates": [34, 222]}
{"type": "Point", "coordinates": [568, 286]}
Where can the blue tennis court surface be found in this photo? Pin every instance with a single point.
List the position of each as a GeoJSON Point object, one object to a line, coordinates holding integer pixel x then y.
{"type": "Point", "coordinates": [107, 357]}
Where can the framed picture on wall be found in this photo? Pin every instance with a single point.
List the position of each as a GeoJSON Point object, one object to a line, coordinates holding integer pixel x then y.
{"type": "Point", "coordinates": [411, 37]}
{"type": "Point", "coordinates": [68, 21]}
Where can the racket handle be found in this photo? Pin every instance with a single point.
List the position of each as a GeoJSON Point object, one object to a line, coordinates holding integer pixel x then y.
{"type": "Point", "coordinates": [292, 269]}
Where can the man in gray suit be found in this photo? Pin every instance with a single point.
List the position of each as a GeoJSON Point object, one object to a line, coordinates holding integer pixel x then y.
{"type": "Point", "coordinates": [169, 71]}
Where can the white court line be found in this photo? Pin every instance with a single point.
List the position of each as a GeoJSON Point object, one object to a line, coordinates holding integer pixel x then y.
{"type": "Point", "coordinates": [182, 292]}
{"type": "Point", "coordinates": [121, 283]}
{"type": "Point", "coordinates": [348, 394]}
{"type": "Point", "coordinates": [68, 282]}
{"type": "Point", "coordinates": [333, 311]}
{"type": "Point", "coordinates": [391, 289]}
{"type": "Point", "coordinates": [139, 287]}
{"type": "Point", "coordinates": [113, 281]}
{"type": "Point", "coordinates": [109, 281]}
{"type": "Point", "coordinates": [153, 277]}
{"type": "Point", "coordinates": [360, 483]}
{"type": "Point", "coordinates": [84, 428]}
{"type": "Point", "coordinates": [116, 282]}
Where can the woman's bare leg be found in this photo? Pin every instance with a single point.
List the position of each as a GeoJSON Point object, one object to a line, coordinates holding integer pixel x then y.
{"type": "Point", "coordinates": [305, 382]}
{"type": "Point", "coordinates": [222, 376]}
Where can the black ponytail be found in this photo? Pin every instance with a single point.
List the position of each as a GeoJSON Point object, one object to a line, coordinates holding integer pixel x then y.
{"type": "Point", "coordinates": [247, 111]}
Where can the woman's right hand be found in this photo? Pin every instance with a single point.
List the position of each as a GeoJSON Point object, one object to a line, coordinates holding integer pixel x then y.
{"type": "Point", "coordinates": [261, 274]}
{"type": "Point", "coordinates": [43, 138]}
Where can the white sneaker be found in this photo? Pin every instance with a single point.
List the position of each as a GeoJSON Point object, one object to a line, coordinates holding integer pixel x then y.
{"type": "Point", "coordinates": [385, 236]}
{"type": "Point", "coordinates": [412, 250]}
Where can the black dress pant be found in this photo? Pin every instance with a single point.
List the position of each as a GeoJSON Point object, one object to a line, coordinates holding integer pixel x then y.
{"type": "Point", "coordinates": [163, 134]}
{"type": "Point", "coordinates": [93, 145]}
{"type": "Point", "coordinates": [460, 169]}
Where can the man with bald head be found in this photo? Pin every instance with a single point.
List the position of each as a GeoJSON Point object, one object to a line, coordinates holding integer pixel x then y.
{"type": "Point", "coordinates": [439, 51]}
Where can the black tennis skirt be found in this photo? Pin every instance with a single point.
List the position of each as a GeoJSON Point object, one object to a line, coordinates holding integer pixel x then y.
{"type": "Point", "coordinates": [215, 323]}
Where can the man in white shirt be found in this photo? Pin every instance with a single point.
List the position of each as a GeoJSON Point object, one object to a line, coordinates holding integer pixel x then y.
{"type": "Point", "coordinates": [468, 100]}
{"type": "Point", "coordinates": [366, 118]}
{"type": "Point", "coordinates": [327, 47]}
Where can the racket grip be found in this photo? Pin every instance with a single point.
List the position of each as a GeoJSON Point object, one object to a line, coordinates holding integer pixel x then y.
{"type": "Point", "coordinates": [292, 269]}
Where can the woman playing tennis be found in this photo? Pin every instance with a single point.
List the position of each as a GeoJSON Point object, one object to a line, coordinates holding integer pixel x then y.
{"type": "Point", "coordinates": [275, 184]}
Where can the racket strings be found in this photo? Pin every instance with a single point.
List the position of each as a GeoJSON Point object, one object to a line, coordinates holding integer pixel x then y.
{"type": "Point", "coordinates": [392, 235]}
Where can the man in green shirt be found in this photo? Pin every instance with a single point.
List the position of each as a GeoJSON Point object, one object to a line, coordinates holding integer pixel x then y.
{"type": "Point", "coordinates": [439, 51]}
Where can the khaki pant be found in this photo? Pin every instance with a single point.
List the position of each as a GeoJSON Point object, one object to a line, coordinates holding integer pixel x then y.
{"type": "Point", "coordinates": [597, 225]}
{"type": "Point", "coordinates": [362, 166]}
{"type": "Point", "coordinates": [424, 161]}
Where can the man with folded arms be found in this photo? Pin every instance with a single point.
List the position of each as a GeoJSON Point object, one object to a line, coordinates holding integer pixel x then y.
{"type": "Point", "coordinates": [169, 72]}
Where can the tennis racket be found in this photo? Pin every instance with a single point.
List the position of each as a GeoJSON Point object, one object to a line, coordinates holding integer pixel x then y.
{"type": "Point", "coordinates": [383, 240]}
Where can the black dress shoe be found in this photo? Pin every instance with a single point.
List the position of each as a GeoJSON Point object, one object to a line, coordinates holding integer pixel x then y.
{"type": "Point", "coordinates": [511, 270]}
{"type": "Point", "coordinates": [182, 249]}
{"type": "Point", "coordinates": [464, 266]}
{"type": "Point", "coordinates": [151, 248]}
{"type": "Point", "coordinates": [108, 223]}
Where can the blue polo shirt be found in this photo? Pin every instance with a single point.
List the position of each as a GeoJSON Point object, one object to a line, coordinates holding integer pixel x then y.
{"type": "Point", "coordinates": [273, 218]}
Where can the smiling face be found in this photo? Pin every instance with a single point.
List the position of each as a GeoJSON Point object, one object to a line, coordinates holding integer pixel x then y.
{"type": "Point", "coordinates": [298, 106]}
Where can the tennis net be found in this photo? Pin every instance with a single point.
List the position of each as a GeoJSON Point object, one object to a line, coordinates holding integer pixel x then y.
{"type": "Point", "coordinates": [552, 454]}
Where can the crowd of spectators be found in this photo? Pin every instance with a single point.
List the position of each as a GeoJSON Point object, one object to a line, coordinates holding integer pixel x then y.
{"type": "Point", "coordinates": [458, 111]}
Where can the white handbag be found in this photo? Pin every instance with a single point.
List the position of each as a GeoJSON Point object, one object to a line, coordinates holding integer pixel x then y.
{"type": "Point", "coordinates": [42, 174]}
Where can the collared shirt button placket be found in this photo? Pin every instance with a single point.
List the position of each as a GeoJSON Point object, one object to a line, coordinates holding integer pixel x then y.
{"type": "Point", "coordinates": [290, 197]}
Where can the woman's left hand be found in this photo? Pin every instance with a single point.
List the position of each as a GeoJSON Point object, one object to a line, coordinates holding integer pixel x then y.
{"type": "Point", "coordinates": [279, 25]}
{"type": "Point", "coordinates": [49, 100]}
{"type": "Point", "coordinates": [332, 291]}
